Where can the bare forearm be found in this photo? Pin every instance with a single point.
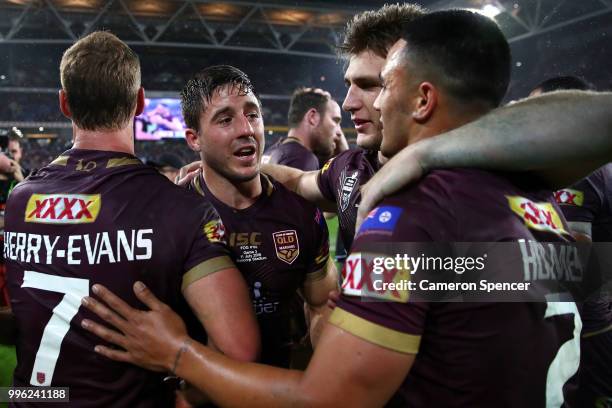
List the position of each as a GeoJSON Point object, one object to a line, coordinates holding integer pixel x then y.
{"type": "Point", "coordinates": [534, 134]}
{"type": "Point", "coordinates": [318, 319]}
{"type": "Point", "coordinates": [231, 383]}
{"type": "Point", "coordinates": [287, 176]}
{"type": "Point", "coordinates": [8, 327]}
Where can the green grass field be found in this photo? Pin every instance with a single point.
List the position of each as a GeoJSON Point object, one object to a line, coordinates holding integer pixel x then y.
{"type": "Point", "coordinates": [332, 226]}
{"type": "Point", "coordinates": [7, 365]}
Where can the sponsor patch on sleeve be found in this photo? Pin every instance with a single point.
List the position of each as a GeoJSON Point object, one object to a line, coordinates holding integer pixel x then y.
{"type": "Point", "coordinates": [215, 231]}
{"type": "Point", "coordinates": [363, 275]}
{"type": "Point", "coordinates": [381, 219]}
{"type": "Point", "coordinates": [538, 216]}
{"type": "Point", "coordinates": [63, 208]}
{"type": "Point", "coordinates": [569, 196]}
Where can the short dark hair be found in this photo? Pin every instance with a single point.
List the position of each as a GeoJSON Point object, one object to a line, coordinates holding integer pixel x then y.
{"type": "Point", "coordinates": [14, 134]}
{"type": "Point", "coordinates": [200, 89]}
{"type": "Point", "coordinates": [100, 75]}
{"type": "Point", "coordinates": [466, 51]}
{"type": "Point", "coordinates": [302, 100]}
{"type": "Point", "coordinates": [377, 30]}
{"type": "Point", "coordinates": [564, 82]}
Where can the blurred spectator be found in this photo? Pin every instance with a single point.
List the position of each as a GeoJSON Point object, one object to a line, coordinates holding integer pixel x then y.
{"type": "Point", "coordinates": [560, 83]}
{"type": "Point", "coordinates": [167, 164]}
{"type": "Point", "coordinates": [314, 124]}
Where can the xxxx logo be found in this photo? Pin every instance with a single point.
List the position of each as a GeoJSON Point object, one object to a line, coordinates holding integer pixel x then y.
{"type": "Point", "coordinates": [539, 216]}
{"type": "Point", "coordinates": [570, 197]}
{"type": "Point", "coordinates": [63, 208]}
{"type": "Point", "coordinates": [359, 278]}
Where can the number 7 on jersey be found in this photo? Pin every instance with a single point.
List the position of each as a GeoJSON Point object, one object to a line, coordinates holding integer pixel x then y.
{"type": "Point", "coordinates": [74, 290]}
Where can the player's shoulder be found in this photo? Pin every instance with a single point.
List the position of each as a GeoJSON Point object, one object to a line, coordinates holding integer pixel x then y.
{"type": "Point", "coordinates": [454, 192]}
{"type": "Point", "coordinates": [282, 196]}
{"type": "Point", "coordinates": [601, 179]}
{"type": "Point", "coordinates": [352, 157]}
{"type": "Point", "coordinates": [459, 184]}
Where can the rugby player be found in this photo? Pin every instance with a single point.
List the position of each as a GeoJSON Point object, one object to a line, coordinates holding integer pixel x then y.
{"type": "Point", "coordinates": [97, 214]}
{"type": "Point", "coordinates": [450, 67]}
{"type": "Point", "coordinates": [587, 206]}
{"type": "Point", "coordinates": [314, 127]}
{"type": "Point", "coordinates": [335, 187]}
{"type": "Point", "coordinates": [566, 82]}
{"type": "Point", "coordinates": [278, 239]}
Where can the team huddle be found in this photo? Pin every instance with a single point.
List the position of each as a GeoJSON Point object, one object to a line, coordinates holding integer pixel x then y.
{"type": "Point", "coordinates": [113, 291]}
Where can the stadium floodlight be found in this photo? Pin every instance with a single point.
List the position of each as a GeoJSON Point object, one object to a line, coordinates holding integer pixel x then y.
{"type": "Point", "coordinates": [491, 10]}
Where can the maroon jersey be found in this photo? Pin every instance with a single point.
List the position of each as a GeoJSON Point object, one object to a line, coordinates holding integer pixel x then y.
{"type": "Point", "coordinates": [339, 181]}
{"type": "Point", "coordinates": [99, 217]}
{"type": "Point", "coordinates": [290, 152]}
{"type": "Point", "coordinates": [277, 243]}
{"type": "Point", "coordinates": [469, 354]}
{"type": "Point", "coordinates": [590, 201]}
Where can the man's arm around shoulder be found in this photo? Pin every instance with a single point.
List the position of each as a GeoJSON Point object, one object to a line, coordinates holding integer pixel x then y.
{"type": "Point", "coordinates": [303, 183]}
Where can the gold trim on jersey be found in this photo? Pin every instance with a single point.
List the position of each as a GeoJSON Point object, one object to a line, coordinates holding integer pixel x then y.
{"type": "Point", "coordinates": [375, 333]}
{"type": "Point", "coordinates": [266, 184]}
{"type": "Point", "coordinates": [206, 268]}
{"type": "Point", "coordinates": [121, 161]}
{"type": "Point", "coordinates": [196, 184]}
{"type": "Point", "coordinates": [595, 333]}
{"type": "Point", "coordinates": [316, 275]}
{"type": "Point", "coordinates": [322, 258]}
{"type": "Point", "coordinates": [60, 161]}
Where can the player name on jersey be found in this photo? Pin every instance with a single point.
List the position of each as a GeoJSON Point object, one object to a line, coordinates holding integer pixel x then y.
{"type": "Point", "coordinates": [92, 249]}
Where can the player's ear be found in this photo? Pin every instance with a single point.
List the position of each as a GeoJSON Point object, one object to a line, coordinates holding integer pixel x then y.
{"type": "Point", "coordinates": [63, 103]}
{"type": "Point", "coordinates": [313, 117]}
{"type": "Point", "coordinates": [425, 103]}
{"type": "Point", "coordinates": [140, 101]}
{"type": "Point", "coordinates": [193, 141]}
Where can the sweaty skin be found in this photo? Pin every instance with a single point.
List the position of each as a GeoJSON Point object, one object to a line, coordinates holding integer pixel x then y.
{"type": "Point", "coordinates": [157, 340]}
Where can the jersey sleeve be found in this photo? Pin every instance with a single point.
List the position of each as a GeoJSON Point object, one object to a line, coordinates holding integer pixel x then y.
{"type": "Point", "coordinates": [208, 252]}
{"type": "Point", "coordinates": [317, 268]}
{"type": "Point", "coordinates": [328, 176]}
{"type": "Point", "coordinates": [393, 322]}
{"type": "Point", "coordinates": [583, 200]}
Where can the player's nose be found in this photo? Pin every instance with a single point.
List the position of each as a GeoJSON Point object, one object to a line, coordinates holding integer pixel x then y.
{"type": "Point", "coordinates": [246, 127]}
{"type": "Point", "coordinates": [351, 101]}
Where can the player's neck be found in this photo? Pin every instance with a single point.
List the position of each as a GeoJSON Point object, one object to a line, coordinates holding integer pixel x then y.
{"type": "Point", "coordinates": [121, 140]}
{"type": "Point", "coordinates": [301, 136]}
{"type": "Point", "coordinates": [238, 195]}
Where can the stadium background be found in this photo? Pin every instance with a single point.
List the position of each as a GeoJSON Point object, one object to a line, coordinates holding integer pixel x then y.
{"type": "Point", "coordinates": [280, 44]}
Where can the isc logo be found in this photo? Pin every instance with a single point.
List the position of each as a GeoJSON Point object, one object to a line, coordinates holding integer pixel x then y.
{"type": "Point", "coordinates": [244, 238]}
{"type": "Point", "coordinates": [63, 208]}
{"type": "Point", "coordinates": [539, 216]}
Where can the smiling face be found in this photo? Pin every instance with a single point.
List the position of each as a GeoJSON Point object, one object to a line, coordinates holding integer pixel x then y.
{"type": "Point", "coordinates": [230, 137]}
{"type": "Point", "coordinates": [362, 77]}
{"type": "Point", "coordinates": [394, 102]}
